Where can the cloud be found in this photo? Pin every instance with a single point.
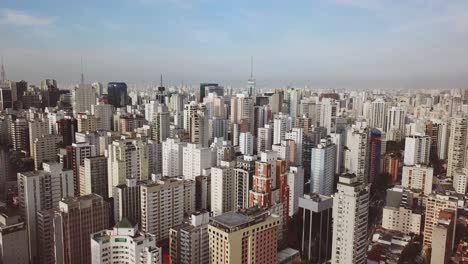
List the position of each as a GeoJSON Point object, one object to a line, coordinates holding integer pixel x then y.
{"type": "Point", "coordinates": [18, 17]}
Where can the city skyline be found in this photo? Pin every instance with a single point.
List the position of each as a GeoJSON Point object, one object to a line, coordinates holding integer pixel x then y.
{"type": "Point", "coordinates": [323, 44]}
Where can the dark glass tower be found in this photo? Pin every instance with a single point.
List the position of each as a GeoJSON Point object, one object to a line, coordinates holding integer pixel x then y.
{"type": "Point", "coordinates": [117, 94]}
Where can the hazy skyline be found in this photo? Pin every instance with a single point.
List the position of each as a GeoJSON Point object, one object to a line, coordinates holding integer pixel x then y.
{"type": "Point", "coordinates": [326, 43]}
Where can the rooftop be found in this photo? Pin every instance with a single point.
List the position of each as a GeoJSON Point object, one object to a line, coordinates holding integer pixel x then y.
{"type": "Point", "coordinates": [232, 219]}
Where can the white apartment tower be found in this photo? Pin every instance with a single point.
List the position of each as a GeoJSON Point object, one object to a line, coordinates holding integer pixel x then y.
{"type": "Point", "coordinates": [246, 143]}
{"type": "Point", "coordinates": [222, 188]}
{"type": "Point", "coordinates": [162, 206]}
{"type": "Point", "coordinates": [323, 167]}
{"type": "Point", "coordinates": [127, 159]}
{"type": "Point", "coordinates": [295, 179]}
{"type": "Point", "coordinates": [379, 111]}
{"type": "Point", "coordinates": [42, 190]}
{"type": "Point", "coordinates": [281, 124]}
{"type": "Point", "coordinates": [172, 157]}
{"type": "Point", "coordinates": [417, 149]}
{"type": "Point", "coordinates": [195, 160]}
{"type": "Point", "coordinates": [123, 244]}
{"type": "Point", "coordinates": [328, 109]}
{"type": "Point", "coordinates": [357, 153]}
{"type": "Point", "coordinates": [350, 216]}
{"type": "Point", "coordinates": [418, 177]}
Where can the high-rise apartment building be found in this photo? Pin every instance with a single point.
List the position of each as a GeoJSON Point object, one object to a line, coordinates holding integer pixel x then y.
{"type": "Point", "coordinates": [19, 133]}
{"type": "Point", "coordinates": [65, 232]}
{"type": "Point", "coordinates": [457, 145]}
{"type": "Point", "coordinates": [460, 181]}
{"type": "Point", "coordinates": [296, 134]}
{"type": "Point", "coordinates": [37, 128]}
{"type": "Point", "coordinates": [350, 216]}
{"type": "Point", "coordinates": [13, 238]}
{"type": "Point", "coordinates": [94, 176]}
{"type": "Point", "coordinates": [223, 188]}
{"type": "Point", "coordinates": [189, 242]}
{"type": "Point", "coordinates": [396, 116]}
{"type": "Point", "coordinates": [417, 150]}
{"type": "Point", "coordinates": [41, 190]}
{"type": "Point", "coordinates": [162, 206]}
{"type": "Point", "coordinates": [246, 143]}
{"type": "Point", "coordinates": [172, 157]}
{"type": "Point", "coordinates": [295, 182]}
{"type": "Point", "coordinates": [80, 151]}
{"type": "Point", "coordinates": [45, 149]}
{"type": "Point", "coordinates": [443, 237]}
{"type": "Point", "coordinates": [281, 125]}
{"type": "Point", "coordinates": [86, 122]}
{"type": "Point", "coordinates": [328, 110]}
{"type": "Point", "coordinates": [264, 139]}
{"type": "Point", "coordinates": [195, 159]}
{"type": "Point", "coordinates": [357, 153]}
{"type": "Point", "coordinates": [323, 167]}
{"type": "Point", "coordinates": [127, 201]}
{"type": "Point", "coordinates": [104, 116]}
{"type": "Point", "coordinates": [401, 213]}
{"type": "Point", "coordinates": [418, 177]}
{"type": "Point", "coordinates": [84, 96]}
{"type": "Point", "coordinates": [127, 159]}
{"type": "Point", "coordinates": [378, 114]}
{"type": "Point", "coordinates": [435, 204]}
{"type": "Point", "coordinates": [124, 243]}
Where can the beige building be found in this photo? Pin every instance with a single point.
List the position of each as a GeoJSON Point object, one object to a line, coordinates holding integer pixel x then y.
{"type": "Point", "coordinates": [457, 145]}
{"type": "Point", "coordinates": [418, 177]}
{"type": "Point", "coordinates": [401, 219]}
{"type": "Point", "coordinates": [45, 149]}
{"type": "Point", "coordinates": [248, 237]}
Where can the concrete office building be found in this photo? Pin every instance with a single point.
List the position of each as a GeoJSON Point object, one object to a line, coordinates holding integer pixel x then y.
{"type": "Point", "coordinates": [316, 236]}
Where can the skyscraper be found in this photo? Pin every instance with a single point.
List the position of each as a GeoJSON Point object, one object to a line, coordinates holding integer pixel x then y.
{"type": "Point", "coordinates": [457, 145]}
{"type": "Point", "coordinates": [41, 190]}
{"type": "Point", "coordinates": [417, 149]}
{"type": "Point", "coordinates": [72, 224]}
{"type": "Point", "coordinates": [316, 237]}
{"type": "Point", "coordinates": [117, 95]}
{"type": "Point", "coordinates": [84, 95]}
{"type": "Point", "coordinates": [379, 111]}
{"type": "Point", "coordinates": [322, 172]}
{"type": "Point", "coordinates": [357, 153]}
{"type": "Point", "coordinates": [350, 216]}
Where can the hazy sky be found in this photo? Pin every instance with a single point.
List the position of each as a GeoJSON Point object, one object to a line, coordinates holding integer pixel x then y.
{"type": "Point", "coordinates": [321, 43]}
